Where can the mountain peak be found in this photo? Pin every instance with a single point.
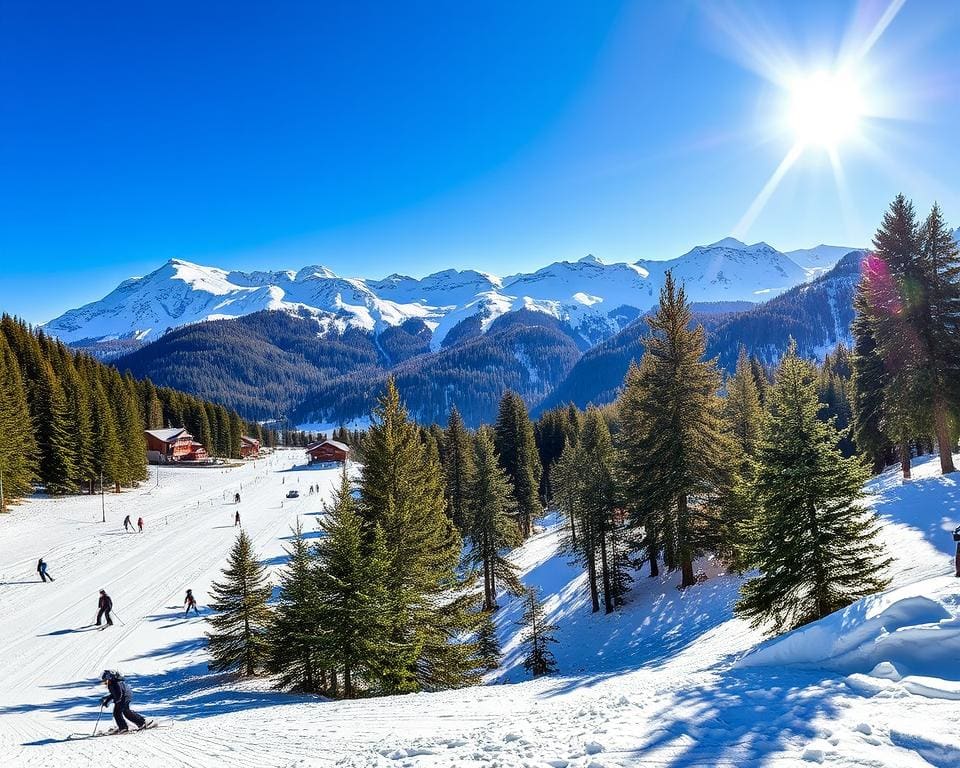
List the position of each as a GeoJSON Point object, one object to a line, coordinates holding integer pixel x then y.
{"type": "Point", "coordinates": [590, 259]}
{"type": "Point", "coordinates": [727, 242]}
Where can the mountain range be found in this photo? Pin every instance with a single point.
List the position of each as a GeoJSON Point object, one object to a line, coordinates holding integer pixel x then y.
{"type": "Point", "coordinates": [316, 347]}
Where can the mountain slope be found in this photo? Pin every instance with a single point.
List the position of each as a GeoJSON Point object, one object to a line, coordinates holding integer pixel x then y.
{"type": "Point", "coordinates": [595, 299]}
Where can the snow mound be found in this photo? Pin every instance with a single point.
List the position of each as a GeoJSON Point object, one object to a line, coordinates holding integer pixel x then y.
{"type": "Point", "coordinates": [911, 631]}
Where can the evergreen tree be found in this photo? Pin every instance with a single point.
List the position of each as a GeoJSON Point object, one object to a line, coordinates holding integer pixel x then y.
{"type": "Point", "coordinates": [492, 529]}
{"type": "Point", "coordinates": [54, 441]}
{"type": "Point", "coordinates": [516, 445]}
{"type": "Point", "coordinates": [239, 638]}
{"type": "Point", "coordinates": [402, 493]}
{"type": "Point", "coordinates": [488, 644]}
{"type": "Point", "coordinates": [295, 632]}
{"type": "Point", "coordinates": [458, 469]}
{"type": "Point", "coordinates": [675, 451]}
{"type": "Point", "coordinates": [537, 637]}
{"type": "Point", "coordinates": [568, 490]}
{"type": "Point", "coordinates": [868, 380]}
{"type": "Point", "coordinates": [817, 550]}
{"type": "Point", "coordinates": [351, 581]}
{"type": "Point", "coordinates": [18, 448]}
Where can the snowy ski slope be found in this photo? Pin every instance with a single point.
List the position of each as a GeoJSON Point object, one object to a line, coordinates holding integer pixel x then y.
{"type": "Point", "coordinates": [669, 681]}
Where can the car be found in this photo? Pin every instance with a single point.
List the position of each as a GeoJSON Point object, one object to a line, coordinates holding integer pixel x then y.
{"type": "Point", "coordinates": [293, 494]}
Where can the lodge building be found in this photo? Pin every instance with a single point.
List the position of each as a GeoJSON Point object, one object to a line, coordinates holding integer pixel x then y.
{"type": "Point", "coordinates": [165, 446]}
{"type": "Point", "coordinates": [328, 450]}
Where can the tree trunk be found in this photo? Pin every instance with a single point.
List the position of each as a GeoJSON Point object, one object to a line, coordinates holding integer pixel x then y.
{"type": "Point", "coordinates": [686, 558]}
{"type": "Point", "coordinates": [347, 682]}
{"type": "Point", "coordinates": [607, 590]}
{"type": "Point", "coordinates": [652, 550]}
{"type": "Point", "coordinates": [942, 429]}
{"type": "Point", "coordinates": [592, 578]}
{"type": "Point", "coordinates": [905, 459]}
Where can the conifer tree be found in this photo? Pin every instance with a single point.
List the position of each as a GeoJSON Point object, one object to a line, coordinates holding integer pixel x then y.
{"type": "Point", "coordinates": [402, 493]}
{"type": "Point", "coordinates": [517, 447]}
{"type": "Point", "coordinates": [537, 637]}
{"type": "Point", "coordinates": [488, 644]}
{"type": "Point", "coordinates": [492, 529]}
{"type": "Point", "coordinates": [568, 489]}
{"type": "Point", "coordinates": [240, 626]}
{"type": "Point", "coordinates": [295, 640]}
{"type": "Point", "coordinates": [351, 591]}
{"type": "Point", "coordinates": [458, 469]}
{"type": "Point", "coordinates": [54, 441]}
{"type": "Point", "coordinates": [675, 452]}
{"type": "Point", "coordinates": [818, 549]}
{"type": "Point", "coordinates": [18, 448]}
{"type": "Point", "coordinates": [108, 458]}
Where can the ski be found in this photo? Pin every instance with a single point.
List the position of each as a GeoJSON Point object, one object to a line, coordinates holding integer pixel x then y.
{"type": "Point", "coordinates": [151, 724]}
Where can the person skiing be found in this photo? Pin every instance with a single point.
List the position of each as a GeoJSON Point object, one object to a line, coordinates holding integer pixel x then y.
{"type": "Point", "coordinates": [236, 498]}
{"type": "Point", "coordinates": [236, 519]}
{"type": "Point", "coordinates": [122, 697]}
{"type": "Point", "coordinates": [42, 570]}
{"type": "Point", "coordinates": [105, 605]}
{"type": "Point", "coordinates": [127, 524]}
{"type": "Point", "coordinates": [140, 524]}
{"type": "Point", "coordinates": [191, 602]}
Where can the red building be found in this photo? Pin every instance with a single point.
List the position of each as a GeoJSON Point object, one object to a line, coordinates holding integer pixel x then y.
{"type": "Point", "coordinates": [173, 444]}
{"type": "Point", "coordinates": [249, 446]}
{"type": "Point", "coordinates": [328, 450]}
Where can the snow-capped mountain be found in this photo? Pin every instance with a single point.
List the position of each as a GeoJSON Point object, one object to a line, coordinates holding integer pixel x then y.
{"type": "Point", "coordinates": [595, 298]}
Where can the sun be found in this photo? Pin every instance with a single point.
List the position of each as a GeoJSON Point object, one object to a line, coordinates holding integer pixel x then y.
{"type": "Point", "coordinates": [824, 109]}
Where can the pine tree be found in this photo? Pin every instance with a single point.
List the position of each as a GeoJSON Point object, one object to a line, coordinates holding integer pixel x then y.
{"type": "Point", "coordinates": [675, 452]}
{"type": "Point", "coordinates": [295, 632]}
{"type": "Point", "coordinates": [351, 586]}
{"type": "Point", "coordinates": [492, 529]}
{"type": "Point", "coordinates": [108, 458]}
{"type": "Point", "coordinates": [402, 492]}
{"type": "Point", "coordinates": [567, 486]}
{"type": "Point", "coordinates": [818, 550]}
{"type": "Point", "coordinates": [18, 448]}
{"type": "Point", "coordinates": [239, 639]}
{"type": "Point", "coordinates": [488, 644]}
{"type": "Point", "coordinates": [868, 380]}
{"type": "Point", "coordinates": [458, 469]}
{"type": "Point", "coordinates": [537, 637]}
{"type": "Point", "coordinates": [517, 447]}
{"type": "Point", "coordinates": [55, 443]}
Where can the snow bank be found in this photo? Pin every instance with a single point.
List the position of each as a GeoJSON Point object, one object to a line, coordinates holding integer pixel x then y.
{"type": "Point", "coordinates": [913, 630]}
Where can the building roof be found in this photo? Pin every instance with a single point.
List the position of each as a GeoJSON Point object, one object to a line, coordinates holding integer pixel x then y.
{"type": "Point", "coordinates": [335, 443]}
{"type": "Point", "coordinates": [250, 440]}
{"type": "Point", "coordinates": [169, 435]}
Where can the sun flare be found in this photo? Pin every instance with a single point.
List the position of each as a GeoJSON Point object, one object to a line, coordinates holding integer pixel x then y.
{"type": "Point", "coordinates": [825, 109]}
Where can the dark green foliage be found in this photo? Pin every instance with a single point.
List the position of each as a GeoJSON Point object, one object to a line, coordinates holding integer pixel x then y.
{"type": "Point", "coordinates": [517, 449]}
{"type": "Point", "coordinates": [493, 530]}
{"type": "Point", "coordinates": [538, 635]}
{"type": "Point", "coordinates": [18, 448]}
{"type": "Point", "coordinates": [458, 468]}
{"type": "Point", "coordinates": [817, 549]}
{"type": "Point", "coordinates": [240, 626]}
{"type": "Point", "coordinates": [57, 469]}
{"type": "Point", "coordinates": [488, 644]}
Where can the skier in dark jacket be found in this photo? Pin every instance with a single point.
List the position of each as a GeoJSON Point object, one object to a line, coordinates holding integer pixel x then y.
{"type": "Point", "coordinates": [42, 570]}
{"type": "Point", "coordinates": [122, 697]}
{"type": "Point", "coordinates": [104, 606]}
{"type": "Point", "coordinates": [127, 523]}
{"type": "Point", "coordinates": [236, 519]}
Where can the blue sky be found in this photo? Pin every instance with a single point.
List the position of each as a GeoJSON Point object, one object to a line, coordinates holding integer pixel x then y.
{"type": "Point", "coordinates": [377, 138]}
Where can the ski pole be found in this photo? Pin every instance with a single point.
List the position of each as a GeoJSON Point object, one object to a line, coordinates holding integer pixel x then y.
{"type": "Point", "coordinates": [122, 622]}
{"type": "Point", "coordinates": [98, 719]}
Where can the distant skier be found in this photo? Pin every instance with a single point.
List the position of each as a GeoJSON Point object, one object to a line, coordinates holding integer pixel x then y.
{"type": "Point", "coordinates": [236, 498]}
{"type": "Point", "coordinates": [140, 524]}
{"type": "Point", "coordinates": [127, 525]}
{"type": "Point", "coordinates": [956, 538]}
{"type": "Point", "coordinates": [104, 606]}
{"type": "Point", "coordinates": [236, 519]}
{"type": "Point", "coordinates": [42, 570]}
{"type": "Point", "coordinates": [191, 602]}
{"type": "Point", "coordinates": [122, 697]}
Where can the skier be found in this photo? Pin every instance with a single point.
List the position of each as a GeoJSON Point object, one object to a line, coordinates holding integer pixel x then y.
{"type": "Point", "coordinates": [126, 523]}
{"type": "Point", "coordinates": [42, 570]}
{"type": "Point", "coordinates": [140, 524]}
{"type": "Point", "coordinates": [105, 605]}
{"type": "Point", "coordinates": [956, 538]}
{"type": "Point", "coordinates": [122, 697]}
{"type": "Point", "coordinates": [236, 519]}
{"type": "Point", "coordinates": [191, 602]}
{"type": "Point", "coordinates": [236, 498]}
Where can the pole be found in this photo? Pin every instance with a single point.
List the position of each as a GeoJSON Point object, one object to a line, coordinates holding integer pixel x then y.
{"type": "Point", "coordinates": [122, 622]}
{"type": "Point", "coordinates": [98, 720]}
{"type": "Point", "coordinates": [3, 499]}
{"type": "Point", "coordinates": [103, 502]}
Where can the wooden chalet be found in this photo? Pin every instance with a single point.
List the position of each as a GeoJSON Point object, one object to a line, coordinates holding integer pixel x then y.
{"type": "Point", "coordinates": [249, 447]}
{"type": "Point", "coordinates": [327, 451]}
{"type": "Point", "coordinates": [174, 444]}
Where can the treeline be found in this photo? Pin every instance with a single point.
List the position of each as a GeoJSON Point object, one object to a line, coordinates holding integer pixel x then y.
{"type": "Point", "coordinates": [70, 422]}
{"type": "Point", "coordinates": [906, 361]}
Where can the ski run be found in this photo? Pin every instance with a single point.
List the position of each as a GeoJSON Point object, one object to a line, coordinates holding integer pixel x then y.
{"type": "Point", "coordinates": [670, 680]}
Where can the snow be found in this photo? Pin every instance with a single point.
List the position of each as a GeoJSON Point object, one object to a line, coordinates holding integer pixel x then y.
{"type": "Point", "coordinates": [672, 679]}
{"type": "Point", "coordinates": [581, 292]}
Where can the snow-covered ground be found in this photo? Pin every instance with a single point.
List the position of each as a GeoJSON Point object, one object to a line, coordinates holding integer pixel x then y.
{"type": "Point", "coordinates": [671, 680]}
